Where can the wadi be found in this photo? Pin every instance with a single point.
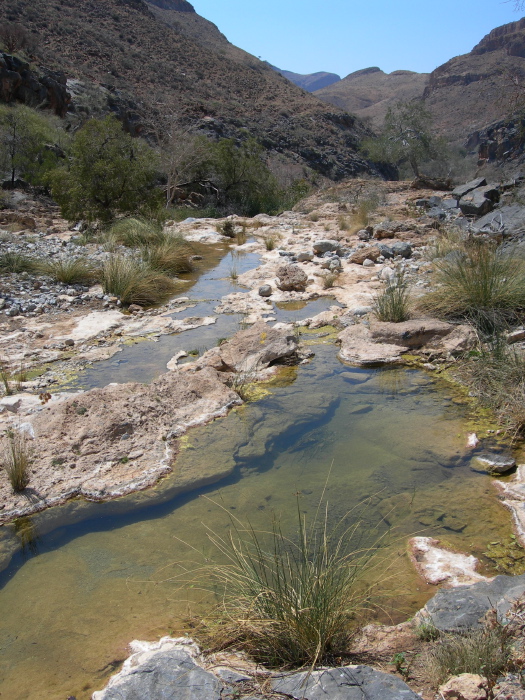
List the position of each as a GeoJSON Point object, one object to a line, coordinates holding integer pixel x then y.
{"type": "Point", "coordinates": [262, 366]}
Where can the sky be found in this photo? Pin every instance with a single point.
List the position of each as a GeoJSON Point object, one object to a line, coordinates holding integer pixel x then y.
{"type": "Point", "coordinates": [341, 36]}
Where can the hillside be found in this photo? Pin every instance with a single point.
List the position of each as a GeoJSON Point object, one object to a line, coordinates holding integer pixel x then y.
{"type": "Point", "coordinates": [369, 93]}
{"type": "Point", "coordinates": [311, 81]}
{"type": "Point", "coordinates": [141, 64]}
{"type": "Point", "coordinates": [471, 91]}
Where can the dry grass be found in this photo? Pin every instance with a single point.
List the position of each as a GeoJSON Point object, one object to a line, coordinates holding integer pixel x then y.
{"type": "Point", "coordinates": [270, 242]}
{"type": "Point", "coordinates": [172, 256]}
{"type": "Point", "coordinates": [227, 228]}
{"type": "Point", "coordinates": [134, 282]}
{"type": "Point", "coordinates": [330, 279]}
{"type": "Point", "coordinates": [16, 262]}
{"type": "Point", "coordinates": [393, 304]}
{"type": "Point", "coordinates": [135, 233]}
{"type": "Point", "coordinates": [16, 459]}
{"type": "Point", "coordinates": [69, 270]}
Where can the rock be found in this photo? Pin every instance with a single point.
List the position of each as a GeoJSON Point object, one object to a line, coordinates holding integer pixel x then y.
{"type": "Point", "coordinates": [265, 290]}
{"type": "Point", "coordinates": [462, 190]}
{"type": "Point", "coordinates": [516, 336]}
{"type": "Point", "coordinates": [166, 670]}
{"type": "Point", "coordinates": [135, 308]}
{"type": "Point", "coordinates": [437, 213]}
{"type": "Point", "coordinates": [493, 463]}
{"type": "Point", "coordinates": [476, 204]}
{"type": "Point", "coordinates": [344, 683]}
{"type": "Point", "coordinates": [364, 235]}
{"type": "Point", "coordinates": [368, 263]}
{"type": "Point", "coordinates": [358, 348]}
{"type": "Point", "coordinates": [174, 362]}
{"type": "Point", "coordinates": [387, 229]}
{"type": "Point", "coordinates": [439, 565]}
{"type": "Point", "coordinates": [387, 274]}
{"type": "Point", "coordinates": [415, 333]}
{"type": "Point", "coordinates": [508, 219]}
{"type": "Point", "coordinates": [385, 250]}
{"type": "Point", "coordinates": [256, 348]}
{"type": "Point", "coordinates": [465, 607]}
{"type": "Point", "coordinates": [69, 342]}
{"type": "Point", "coordinates": [326, 246]}
{"type": "Point", "coordinates": [403, 249]}
{"type": "Point", "coordinates": [360, 256]}
{"type": "Point", "coordinates": [305, 257]}
{"type": "Point", "coordinates": [291, 278]}
{"type": "Point", "coordinates": [466, 686]}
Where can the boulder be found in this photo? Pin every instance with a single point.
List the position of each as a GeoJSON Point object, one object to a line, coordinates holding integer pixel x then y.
{"type": "Point", "coordinates": [357, 348]}
{"type": "Point", "coordinates": [327, 246]}
{"type": "Point", "coordinates": [466, 686]}
{"type": "Point", "coordinates": [291, 278]}
{"type": "Point", "coordinates": [403, 249]}
{"type": "Point", "coordinates": [363, 254]}
{"type": "Point", "coordinates": [462, 190]}
{"type": "Point", "coordinates": [387, 229]}
{"type": "Point", "coordinates": [476, 203]}
{"type": "Point", "coordinates": [344, 683]}
{"type": "Point", "coordinates": [493, 463]}
{"type": "Point", "coordinates": [413, 334]}
{"type": "Point", "coordinates": [463, 608]}
{"type": "Point", "coordinates": [256, 348]}
{"type": "Point", "coordinates": [364, 235]}
{"type": "Point", "coordinates": [385, 250]}
{"type": "Point", "coordinates": [509, 219]}
{"type": "Point", "coordinates": [265, 290]}
{"type": "Point", "coordinates": [305, 257]}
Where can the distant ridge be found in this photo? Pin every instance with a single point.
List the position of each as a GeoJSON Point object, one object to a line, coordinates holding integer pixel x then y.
{"type": "Point", "coordinates": [311, 81]}
{"type": "Point", "coordinates": [175, 5]}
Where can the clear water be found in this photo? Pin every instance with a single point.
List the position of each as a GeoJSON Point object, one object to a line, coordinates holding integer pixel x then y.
{"type": "Point", "coordinates": [94, 576]}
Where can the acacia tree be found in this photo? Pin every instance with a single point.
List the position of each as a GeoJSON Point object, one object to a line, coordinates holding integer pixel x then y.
{"type": "Point", "coordinates": [406, 137]}
{"type": "Point", "coordinates": [109, 174]}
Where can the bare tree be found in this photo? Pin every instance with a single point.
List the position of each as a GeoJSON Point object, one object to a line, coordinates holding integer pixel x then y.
{"type": "Point", "coordinates": [15, 37]}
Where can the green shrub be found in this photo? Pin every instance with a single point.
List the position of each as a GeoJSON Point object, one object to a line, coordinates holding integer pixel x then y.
{"type": "Point", "coordinates": [134, 282]}
{"type": "Point", "coordinates": [393, 303]}
{"type": "Point", "coordinates": [172, 256]}
{"type": "Point", "coordinates": [270, 242]}
{"type": "Point", "coordinates": [16, 459]}
{"type": "Point", "coordinates": [135, 233]}
{"type": "Point", "coordinates": [227, 228]}
{"type": "Point", "coordinates": [16, 262]}
{"type": "Point", "coordinates": [479, 282]}
{"type": "Point", "coordinates": [69, 270]}
{"type": "Point", "coordinates": [290, 602]}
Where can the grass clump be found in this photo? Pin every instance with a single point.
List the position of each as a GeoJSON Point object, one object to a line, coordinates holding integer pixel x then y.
{"type": "Point", "coordinates": [227, 228]}
{"type": "Point", "coordinates": [16, 262]}
{"type": "Point", "coordinates": [329, 280]}
{"type": "Point", "coordinates": [16, 459]}
{"type": "Point", "coordinates": [172, 256]}
{"type": "Point", "coordinates": [291, 601]}
{"type": "Point", "coordinates": [393, 304]}
{"type": "Point", "coordinates": [5, 377]}
{"type": "Point", "coordinates": [270, 242]}
{"type": "Point", "coordinates": [136, 233]}
{"type": "Point", "coordinates": [134, 282]}
{"type": "Point", "coordinates": [69, 270]}
{"type": "Point", "coordinates": [485, 651]}
{"type": "Point", "coordinates": [480, 282]}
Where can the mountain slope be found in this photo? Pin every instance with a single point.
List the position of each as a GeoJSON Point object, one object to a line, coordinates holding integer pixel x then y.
{"type": "Point", "coordinates": [311, 81]}
{"type": "Point", "coordinates": [370, 92]}
{"type": "Point", "coordinates": [123, 46]}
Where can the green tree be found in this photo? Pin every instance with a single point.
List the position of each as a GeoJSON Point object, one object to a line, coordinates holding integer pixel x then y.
{"type": "Point", "coordinates": [406, 137]}
{"type": "Point", "coordinates": [109, 174]}
{"type": "Point", "coordinates": [29, 143]}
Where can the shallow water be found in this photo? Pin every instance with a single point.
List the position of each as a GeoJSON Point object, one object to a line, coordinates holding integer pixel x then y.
{"type": "Point", "coordinates": [95, 576]}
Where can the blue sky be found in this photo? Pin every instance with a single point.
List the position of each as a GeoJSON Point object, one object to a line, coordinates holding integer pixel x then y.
{"type": "Point", "coordinates": [341, 36]}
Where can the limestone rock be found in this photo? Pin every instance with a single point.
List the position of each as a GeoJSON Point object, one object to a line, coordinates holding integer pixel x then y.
{"type": "Point", "coordinates": [345, 683]}
{"type": "Point", "coordinates": [439, 565]}
{"type": "Point", "coordinates": [467, 686]}
{"type": "Point", "coordinates": [291, 278]}
{"type": "Point", "coordinates": [265, 290]}
{"type": "Point", "coordinates": [493, 463]}
{"type": "Point", "coordinates": [414, 333]}
{"type": "Point", "coordinates": [256, 348]}
{"type": "Point", "coordinates": [358, 348]}
{"type": "Point", "coordinates": [326, 246]}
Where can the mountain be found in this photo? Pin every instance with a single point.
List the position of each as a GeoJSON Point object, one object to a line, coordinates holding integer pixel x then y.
{"type": "Point", "coordinates": [139, 60]}
{"type": "Point", "coordinates": [369, 93]}
{"type": "Point", "coordinates": [310, 82]}
{"type": "Point", "coordinates": [471, 91]}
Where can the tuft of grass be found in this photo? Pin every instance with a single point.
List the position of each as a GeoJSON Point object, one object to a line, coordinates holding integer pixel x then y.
{"type": "Point", "coordinates": [314, 216]}
{"type": "Point", "coordinates": [270, 242]}
{"type": "Point", "coordinates": [291, 601]}
{"type": "Point", "coordinates": [485, 651]}
{"type": "Point", "coordinates": [16, 262]}
{"type": "Point", "coordinates": [172, 256]}
{"type": "Point", "coordinates": [344, 224]}
{"type": "Point", "coordinates": [393, 303]}
{"type": "Point", "coordinates": [136, 233]}
{"type": "Point", "coordinates": [69, 270]}
{"type": "Point", "coordinates": [227, 228]}
{"type": "Point", "coordinates": [329, 280]}
{"type": "Point", "coordinates": [479, 282]}
{"type": "Point", "coordinates": [5, 377]}
{"type": "Point", "coordinates": [363, 210]}
{"type": "Point", "coordinates": [134, 282]}
{"type": "Point", "coordinates": [16, 459]}
{"type": "Point", "coordinates": [241, 235]}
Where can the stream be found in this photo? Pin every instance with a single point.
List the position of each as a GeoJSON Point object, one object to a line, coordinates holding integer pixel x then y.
{"type": "Point", "coordinates": [79, 582]}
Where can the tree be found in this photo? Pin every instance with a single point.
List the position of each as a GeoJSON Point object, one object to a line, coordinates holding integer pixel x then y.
{"type": "Point", "coordinates": [110, 174]}
{"type": "Point", "coordinates": [28, 143]}
{"type": "Point", "coordinates": [406, 137]}
{"type": "Point", "coordinates": [15, 37]}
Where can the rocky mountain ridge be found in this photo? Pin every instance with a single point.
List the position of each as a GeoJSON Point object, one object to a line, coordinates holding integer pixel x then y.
{"type": "Point", "coordinates": [311, 81]}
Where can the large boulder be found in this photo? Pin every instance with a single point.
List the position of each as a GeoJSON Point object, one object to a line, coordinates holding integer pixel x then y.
{"type": "Point", "coordinates": [291, 278]}
{"type": "Point", "coordinates": [462, 190]}
{"type": "Point", "coordinates": [327, 246]}
{"type": "Point", "coordinates": [344, 683]}
{"type": "Point", "coordinates": [358, 348]}
{"type": "Point", "coordinates": [371, 253]}
{"type": "Point", "coordinates": [480, 201]}
{"type": "Point", "coordinates": [414, 333]}
{"type": "Point", "coordinates": [509, 219]}
{"type": "Point", "coordinates": [256, 348]}
{"type": "Point", "coordinates": [387, 229]}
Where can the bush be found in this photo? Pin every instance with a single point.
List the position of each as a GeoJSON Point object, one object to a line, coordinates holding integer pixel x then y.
{"type": "Point", "coordinates": [227, 228]}
{"type": "Point", "coordinates": [292, 602]}
{"type": "Point", "coordinates": [486, 652]}
{"type": "Point", "coordinates": [16, 262]}
{"type": "Point", "coordinates": [480, 282]}
{"type": "Point", "coordinates": [110, 174]}
{"type": "Point", "coordinates": [16, 459]}
{"type": "Point", "coordinates": [134, 282]}
{"type": "Point", "coordinates": [329, 280]}
{"type": "Point", "coordinates": [173, 256]}
{"type": "Point", "coordinates": [69, 270]}
{"type": "Point", "coordinates": [392, 304]}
